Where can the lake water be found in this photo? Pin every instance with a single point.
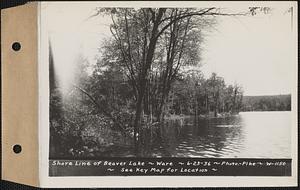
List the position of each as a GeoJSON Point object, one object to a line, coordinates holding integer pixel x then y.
{"type": "Point", "coordinates": [246, 135]}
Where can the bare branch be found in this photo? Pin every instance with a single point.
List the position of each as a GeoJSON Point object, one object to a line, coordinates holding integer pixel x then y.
{"type": "Point", "coordinates": [107, 114]}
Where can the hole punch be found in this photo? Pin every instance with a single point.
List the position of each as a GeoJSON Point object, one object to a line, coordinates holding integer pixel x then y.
{"type": "Point", "coordinates": [16, 46]}
{"type": "Point", "coordinates": [17, 148]}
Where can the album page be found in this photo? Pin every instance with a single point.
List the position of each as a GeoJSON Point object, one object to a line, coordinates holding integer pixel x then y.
{"type": "Point", "coordinates": [167, 94]}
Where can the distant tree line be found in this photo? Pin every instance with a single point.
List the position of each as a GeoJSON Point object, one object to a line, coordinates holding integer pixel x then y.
{"type": "Point", "coordinates": [192, 94]}
{"type": "Point", "coordinates": [267, 103]}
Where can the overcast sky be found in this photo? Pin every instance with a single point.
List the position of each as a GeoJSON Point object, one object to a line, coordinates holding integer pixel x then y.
{"type": "Point", "coordinates": [256, 52]}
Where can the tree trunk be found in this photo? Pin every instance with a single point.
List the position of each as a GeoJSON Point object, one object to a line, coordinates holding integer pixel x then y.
{"type": "Point", "coordinates": [144, 74]}
{"type": "Point", "coordinates": [137, 122]}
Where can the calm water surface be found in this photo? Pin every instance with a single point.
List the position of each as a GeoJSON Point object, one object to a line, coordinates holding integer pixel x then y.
{"type": "Point", "coordinates": [248, 135]}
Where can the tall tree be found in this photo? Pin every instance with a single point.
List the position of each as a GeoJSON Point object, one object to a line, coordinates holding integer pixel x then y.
{"type": "Point", "coordinates": [140, 35]}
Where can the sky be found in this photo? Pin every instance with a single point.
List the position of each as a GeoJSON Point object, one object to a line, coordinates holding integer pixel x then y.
{"type": "Point", "coordinates": [257, 52]}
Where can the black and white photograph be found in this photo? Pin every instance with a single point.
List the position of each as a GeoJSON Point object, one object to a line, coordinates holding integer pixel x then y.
{"type": "Point", "coordinates": [186, 82]}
